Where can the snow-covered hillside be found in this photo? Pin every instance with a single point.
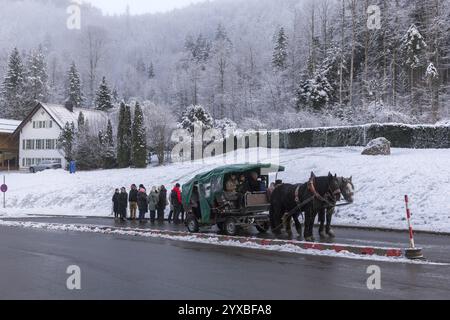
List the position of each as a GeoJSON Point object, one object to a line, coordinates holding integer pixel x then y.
{"type": "Point", "coordinates": [381, 183]}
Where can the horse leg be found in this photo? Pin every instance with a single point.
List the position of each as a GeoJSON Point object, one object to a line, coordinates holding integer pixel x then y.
{"type": "Point", "coordinates": [322, 232]}
{"type": "Point", "coordinates": [298, 225]}
{"type": "Point", "coordinates": [329, 231]}
{"type": "Point", "coordinates": [288, 226]}
{"type": "Point", "coordinates": [276, 219]}
{"type": "Point", "coordinates": [309, 226]}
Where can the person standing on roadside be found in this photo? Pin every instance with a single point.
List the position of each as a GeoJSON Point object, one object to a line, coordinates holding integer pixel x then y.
{"type": "Point", "coordinates": [153, 198]}
{"type": "Point", "coordinates": [162, 204]}
{"type": "Point", "coordinates": [123, 204]}
{"type": "Point", "coordinates": [115, 200]}
{"type": "Point", "coordinates": [142, 201]}
{"type": "Point", "coordinates": [176, 201]}
{"type": "Point", "coordinates": [132, 198]}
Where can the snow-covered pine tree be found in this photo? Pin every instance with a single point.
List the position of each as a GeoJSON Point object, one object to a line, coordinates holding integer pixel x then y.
{"type": "Point", "coordinates": [314, 93]}
{"type": "Point", "coordinates": [87, 147]}
{"type": "Point", "coordinates": [81, 123]}
{"type": "Point", "coordinates": [196, 115]}
{"type": "Point", "coordinates": [13, 88]}
{"type": "Point", "coordinates": [222, 52]}
{"type": "Point", "coordinates": [66, 141]}
{"type": "Point", "coordinates": [141, 68]}
{"type": "Point", "coordinates": [36, 77]}
{"type": "Point", "coordinates": [280, 53]}
{"type": "Point", "coordinates": [73, 86]}
{"type": "Point", "coordinates": [432, 76]}
{"type": "Point", "coordinates": [108, 138]}
{"type": "Point", "coordinates": [139, 139]}
{"type": "Point", "coordinates": [103, 97]}
{"type": "Point", "coordinates": [115, 95]}
{"type": "Point", "coordinates": [107, 151]}
{"type": "Point", "coordinates": [128, 132]}
{"type": "Point", "coordinates": [124, 137]}
{"type": "Point", "coordinates": [226, 126]}
{"type": "Point", "coordinates": [199, 50]}
{"type": "Point", "coordinates": [151, 71]}
{"type": "Point", "coordinates": [413, 47]}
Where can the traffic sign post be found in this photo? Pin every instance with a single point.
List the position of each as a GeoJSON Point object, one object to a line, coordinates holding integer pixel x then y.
{"type": "Point", "coordinates": [3, 189]}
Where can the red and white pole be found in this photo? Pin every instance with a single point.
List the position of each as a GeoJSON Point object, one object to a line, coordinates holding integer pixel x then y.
{"type": "Point", "coordinates": [413, 252]}
{"type": "Point", "coordinates": [408, 216]}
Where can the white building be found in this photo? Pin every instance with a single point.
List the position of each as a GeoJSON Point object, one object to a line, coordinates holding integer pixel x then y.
{"type": "Point", "coordinates": [40, 131]}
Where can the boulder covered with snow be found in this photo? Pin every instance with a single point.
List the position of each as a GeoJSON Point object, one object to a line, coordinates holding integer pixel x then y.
{"type": "Point", "coordinates": [378, 147]}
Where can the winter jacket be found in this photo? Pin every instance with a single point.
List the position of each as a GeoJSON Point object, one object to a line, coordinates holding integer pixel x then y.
{"type": "Point", "coordinates": [142, 201]}
{"type": "Point", "coordinates": [115, 200]}
{"type": "Point", "coordinates": [249, 186]}
{"type": "Point", "coordinates": [153, 199]}
{"type": "Point", "coordinates": [133, 196]}
{"type": "Point", "coordinates": [162, 201]}
{"type": "Point", "coordinates": [123, 203]}
{"type": "Point", "coordinates": [175, 197]}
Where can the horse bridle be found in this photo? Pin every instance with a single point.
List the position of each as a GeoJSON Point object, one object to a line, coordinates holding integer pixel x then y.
{"type": "Point", "coordinates": [312, 189]}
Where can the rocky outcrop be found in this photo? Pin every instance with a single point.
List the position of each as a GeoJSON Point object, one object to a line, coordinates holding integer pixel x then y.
{"type": "Point", "coordinates": [378, 147]}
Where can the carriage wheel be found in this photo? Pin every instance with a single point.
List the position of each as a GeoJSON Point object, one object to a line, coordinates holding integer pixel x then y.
{"type": "Point", "coordinates": [192, 224]}
{"type": "Point", "coordinates": [231, 227]}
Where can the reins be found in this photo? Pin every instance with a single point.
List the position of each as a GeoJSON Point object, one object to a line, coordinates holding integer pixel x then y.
{"type": "Point", "coordinates": [315, 195]}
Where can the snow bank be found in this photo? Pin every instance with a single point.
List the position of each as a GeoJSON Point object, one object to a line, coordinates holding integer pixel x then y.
{"type": "Point", "coordinates": [381, 183]}
{"type": "Point", "coordinates": [285, 248]}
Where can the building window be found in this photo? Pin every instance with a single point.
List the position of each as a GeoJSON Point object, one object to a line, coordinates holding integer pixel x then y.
{"type": "Point", "coordinates": [42, 124]}
{"type": "Point", "coordinates": [29, 144]}
{"type": "Point", "coordinates": [50, 144]}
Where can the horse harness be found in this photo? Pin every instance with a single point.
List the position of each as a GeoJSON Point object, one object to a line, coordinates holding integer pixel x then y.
{"type": "Point", "coordinates": [315, 195]}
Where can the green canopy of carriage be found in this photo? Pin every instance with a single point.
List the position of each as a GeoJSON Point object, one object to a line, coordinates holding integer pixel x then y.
{"type": "Point", "coordinates": [211, 183]}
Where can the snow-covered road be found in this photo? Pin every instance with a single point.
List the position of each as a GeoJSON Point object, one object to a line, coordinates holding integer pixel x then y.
{"type": "Point", "coordinates": [381, 183]}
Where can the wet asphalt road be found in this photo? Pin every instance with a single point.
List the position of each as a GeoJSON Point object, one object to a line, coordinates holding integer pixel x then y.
{"type": "Point", "coordinates": [33, 266]}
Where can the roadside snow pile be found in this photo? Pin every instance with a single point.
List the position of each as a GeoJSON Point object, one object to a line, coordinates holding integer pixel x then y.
{"type": "Point", "coordinates": [445, 122]}
{"type": "Point", "coordinates": [381, 183]}
{"type": "Point", "coordinates": [212, 240]}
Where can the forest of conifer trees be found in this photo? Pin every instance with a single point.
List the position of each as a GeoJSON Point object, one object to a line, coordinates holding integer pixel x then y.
{"type": "Point", "coordinates": [260, 64]}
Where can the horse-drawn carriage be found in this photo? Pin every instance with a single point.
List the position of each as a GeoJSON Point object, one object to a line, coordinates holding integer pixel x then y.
{"type": "Point", "coordinates": [208, 204]}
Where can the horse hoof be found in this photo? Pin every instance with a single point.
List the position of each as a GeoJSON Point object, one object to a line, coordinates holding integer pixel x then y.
{"type": "Point", "coordinates": [331, 234]}
{"type": "Point", "coordinates": [322, 235]}
{"type": "Point", "coordinates": [310, 239]}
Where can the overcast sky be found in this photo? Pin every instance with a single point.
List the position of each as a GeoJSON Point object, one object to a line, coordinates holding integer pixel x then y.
{"type": "Point", "coordinates": [140, 6]}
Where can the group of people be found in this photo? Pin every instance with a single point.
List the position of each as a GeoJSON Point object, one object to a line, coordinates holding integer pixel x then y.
{"type": "Point", "coordinates": [236, 187]}
{"type": "Point", "coordinates": [244, 184]}
{"type": "Point", "coordinates": [138, 203]}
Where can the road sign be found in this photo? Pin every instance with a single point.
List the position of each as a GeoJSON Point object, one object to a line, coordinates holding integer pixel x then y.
{"type": "Point", "coordinates": [3, 189]}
